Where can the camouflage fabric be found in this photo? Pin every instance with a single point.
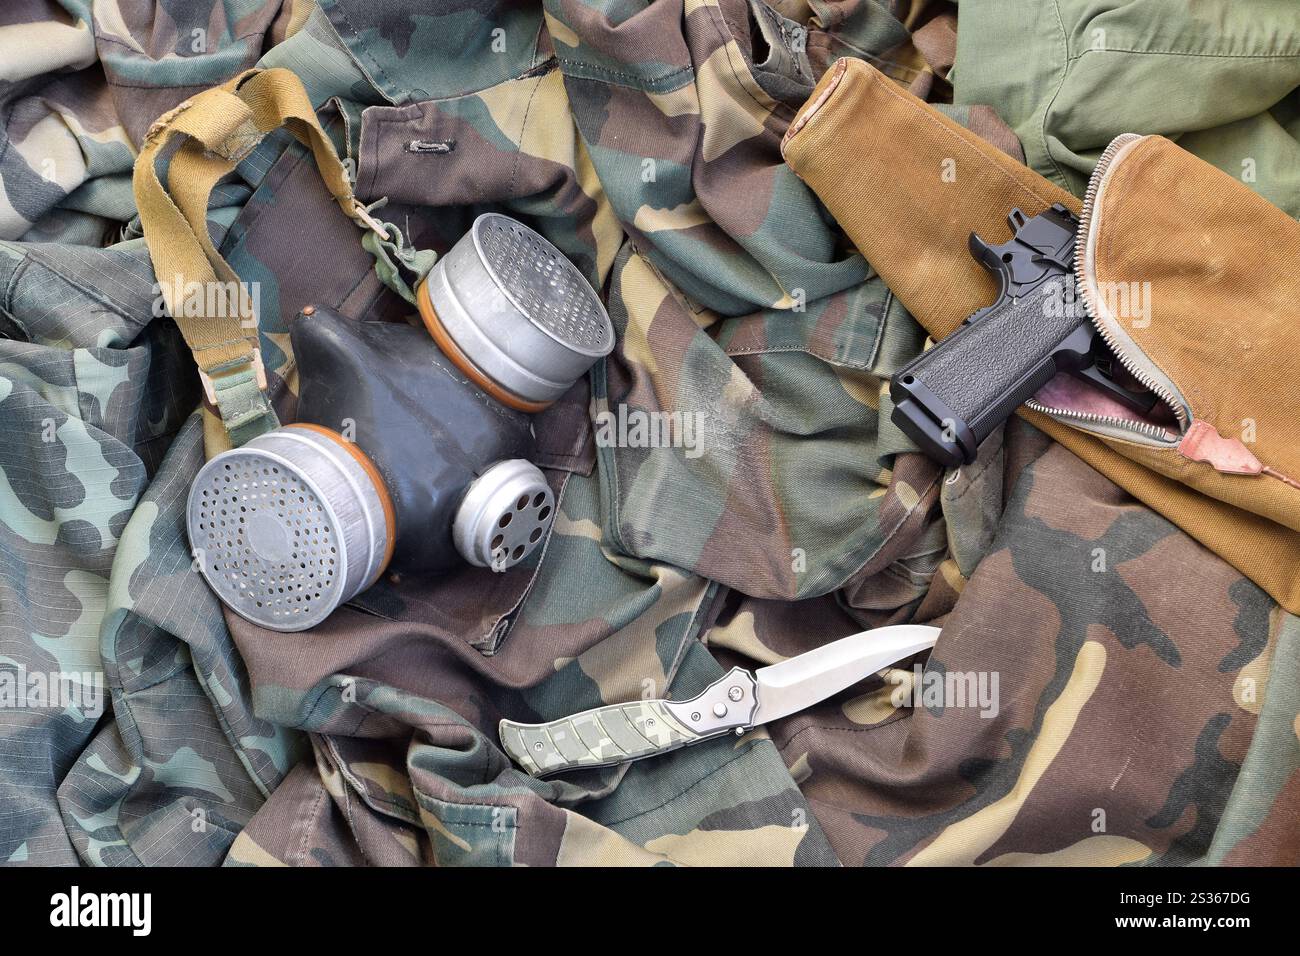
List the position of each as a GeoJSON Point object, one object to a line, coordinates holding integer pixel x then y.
{"type": "Point", "coordinates": [1146, 706]}
{"type": "Point", "coordinates": [82, 81]}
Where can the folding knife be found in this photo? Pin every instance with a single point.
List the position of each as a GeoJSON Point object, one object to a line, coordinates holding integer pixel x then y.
{"type": "Point", "coordinates": [737, 702]}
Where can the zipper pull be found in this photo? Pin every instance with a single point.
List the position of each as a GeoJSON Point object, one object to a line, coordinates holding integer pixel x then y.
{"type": "Point", "coordinates": [1228, 455]}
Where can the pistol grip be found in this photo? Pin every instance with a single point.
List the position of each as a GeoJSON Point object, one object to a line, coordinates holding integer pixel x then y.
{"type": "Point", "coordinates": [950, 397]}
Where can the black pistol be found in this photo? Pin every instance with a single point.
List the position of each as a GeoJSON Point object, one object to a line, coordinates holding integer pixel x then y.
{"type": "Point", "coordinates": [950, 397]}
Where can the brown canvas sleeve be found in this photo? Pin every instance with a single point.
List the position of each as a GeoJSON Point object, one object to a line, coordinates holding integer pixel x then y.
{"type": "Point", "coordinates": [908, 186]}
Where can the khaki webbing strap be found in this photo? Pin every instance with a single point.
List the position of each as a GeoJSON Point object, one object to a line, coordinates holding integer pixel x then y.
{"type": "Point", "coordinates": [212, 132]}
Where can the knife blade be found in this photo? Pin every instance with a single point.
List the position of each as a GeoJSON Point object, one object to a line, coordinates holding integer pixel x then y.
{"type": "Point", "coordinates": [736, 702]}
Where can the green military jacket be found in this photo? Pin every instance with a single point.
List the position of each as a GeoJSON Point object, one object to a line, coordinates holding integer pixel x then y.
{"type": "Point", "coordinates": [1147, 691]}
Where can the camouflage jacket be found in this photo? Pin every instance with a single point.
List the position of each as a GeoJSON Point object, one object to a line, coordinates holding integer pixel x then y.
{"type": "Point", "coordinates": [1117, 671]}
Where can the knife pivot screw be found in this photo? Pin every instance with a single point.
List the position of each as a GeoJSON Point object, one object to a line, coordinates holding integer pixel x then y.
{"type": "Point", "coordinates": [719, 709]}
{"type": "Point", "coordinates": [735, 693]}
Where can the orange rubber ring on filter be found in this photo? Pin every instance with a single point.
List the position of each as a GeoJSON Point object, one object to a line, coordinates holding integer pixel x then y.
{"type": "Point", "coordinates": [368, 466]}
{"type": "Point", "coordinates": [464, 362]}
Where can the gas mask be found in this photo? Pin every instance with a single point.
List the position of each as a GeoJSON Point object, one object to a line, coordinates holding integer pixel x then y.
{"type": "Point", "coordinates": [412, 446]}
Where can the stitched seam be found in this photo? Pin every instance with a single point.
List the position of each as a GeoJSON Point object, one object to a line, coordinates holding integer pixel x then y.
{"type": "Point", "coordinates": [614, 524]}
{"type": "Point", "coordinates": [248, 760]}
{"type": "Point", "coordinates": [973, 478]}
{"type": "Point", "coordinates": [523, 129]}
{"type": "Point", "coordinates": [320, 696]}
{"type": "Point", "coordinates": [1221, 56]}
{"type": "Point", "coordinates": [537, 44]}
{"type": "Point", "coordinates": [101, 38]}
{"type": "Point", "coordinates": [403, 813]}
{"type": "Point", "coordinates": [615, 76]}
{"type": "Point", "coordinates": [180, 669]}
{"type": "Point", "coordinates": [902, 577]}
{"type": "Point", "coordinates": [273, 178]}
{"type": "Point", "coordinates": [307, 824]}
{"type": "Point", "coordinates": [1060, 85]}
{"type": "Point", "coordinates": [372, 174]}
{"type": "Point", "coordinates": [880, 329]}
{"type": "Point", "coordinates": [802, 120]}
{"type": "Point", "coordinates": [678, 796]}
{"type": "Point", "coordinates": [348, 815]}
{"type": "Point", "coordinates": [356, 58]}
{"type": "Point", "coordinates": [489, 649]}
{"type": "Point", "coordinates": [144, 86]}
{"type": "Point", "coordinates": [432, 805]}
{"type": "Point", "coordinates": [219, 825]}
{"type": "Point", "coordinates": [886, 538]}
{"type": "Point", "coordinates": [728, 40]}
{"type": "Point", "coordinates": [893, 718]}
{"type": "Point", "coordinates": [692, 630]}
{"type": "Point", "coordinates": [11, 289]}
{"type": "Point", "coordinates": [472, 823]}
{"type": "Point", "coordinates": [802, 349]}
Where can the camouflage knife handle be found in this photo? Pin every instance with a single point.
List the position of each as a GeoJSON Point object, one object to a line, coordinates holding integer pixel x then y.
{"type": "Point", "coordinates": [618, 733]}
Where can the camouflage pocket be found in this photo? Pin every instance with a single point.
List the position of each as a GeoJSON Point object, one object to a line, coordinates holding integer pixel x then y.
{"type": "Point", "coordinates": [750, 451]}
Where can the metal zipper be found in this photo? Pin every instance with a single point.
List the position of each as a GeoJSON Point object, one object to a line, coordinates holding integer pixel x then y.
{"type": "Point", "coordinates": [1156, 432]}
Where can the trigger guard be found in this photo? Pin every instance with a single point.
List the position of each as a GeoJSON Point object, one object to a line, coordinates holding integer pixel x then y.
{"type": "Point", "coordinates": [988, 257]}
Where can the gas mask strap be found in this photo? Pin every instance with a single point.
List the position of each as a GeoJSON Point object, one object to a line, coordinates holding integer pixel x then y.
{"type": "Point", "coordinates": [206, 137]}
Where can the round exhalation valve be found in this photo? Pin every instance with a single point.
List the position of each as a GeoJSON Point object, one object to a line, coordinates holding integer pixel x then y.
{"type": "Point", "coordinates": [505, 515]}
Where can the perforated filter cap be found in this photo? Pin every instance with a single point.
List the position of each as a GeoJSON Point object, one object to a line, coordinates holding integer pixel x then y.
{"type": "Point", "coordinates": [288, 527]}
{"type": "Point", "coordinates": [504, 515]}
{"type": "Point", "coordinates": [518, 311]}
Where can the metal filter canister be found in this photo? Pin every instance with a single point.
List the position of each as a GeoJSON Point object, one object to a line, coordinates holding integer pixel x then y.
{"type": "Point", "coordinates": [514, 314]}
{"type": "Point", "coordinates": [290, 526]}
{"type": "Point", "coordinates": [504, 515]}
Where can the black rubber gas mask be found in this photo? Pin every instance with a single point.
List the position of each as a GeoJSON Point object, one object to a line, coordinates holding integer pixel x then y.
{"type": "Point", "coordinates": [412, 446]}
